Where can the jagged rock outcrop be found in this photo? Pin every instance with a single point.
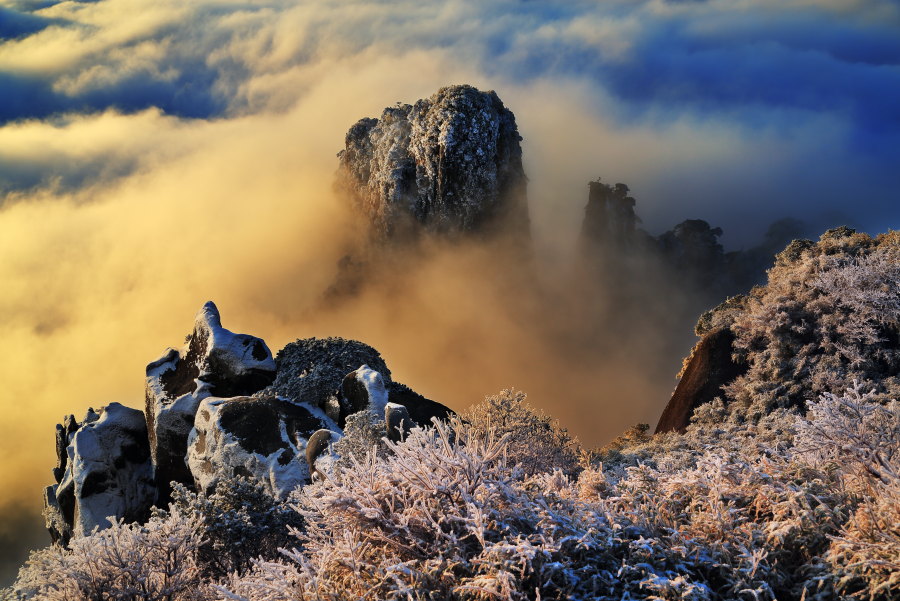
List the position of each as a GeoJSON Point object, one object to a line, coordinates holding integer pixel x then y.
{"type": "Point", "coordinates": [107, 473]}
{"type": "Point", "coordinates": [64, 433]}
{"type": "Point", "coordinates": [609, 218]}
{"type": "Point", "coordinates": [260, 438]}
{"type": "Point", "coordinates": [213, 362]}
{"type": "Point", "coordinates": [449, 163]}
{"type": "Point", "coordinates": [420, 409]}
{"type": "Point", "coordinates": [709, 368]}
{"type": "Point", "coordinates": [207, 418]}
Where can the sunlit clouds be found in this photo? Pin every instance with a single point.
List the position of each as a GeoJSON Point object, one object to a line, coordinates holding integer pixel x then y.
{"type": "Point", "coordinates": [158, 154]}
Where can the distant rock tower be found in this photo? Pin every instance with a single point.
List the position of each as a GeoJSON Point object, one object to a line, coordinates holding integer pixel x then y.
{"type": "Point", "coordinates": [448, 164]}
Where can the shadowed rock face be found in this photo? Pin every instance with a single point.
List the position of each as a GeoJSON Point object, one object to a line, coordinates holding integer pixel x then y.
{"type": "Point", "coordinates": [419, 408]}
{"type": "Point", "coordinates": [213, 362]}
{"type": "Point", "coordinates": [448, 163]}
{"type": "Point", "coordinates": [708, 370]}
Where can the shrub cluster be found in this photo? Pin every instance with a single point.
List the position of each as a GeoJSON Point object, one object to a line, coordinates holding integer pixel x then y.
{"type": "Point", "coordinates": [447, 515]}
{"type": "Point", "coordinates": [452, 513]}
{"type": "Point", "coordinates": [829, 315]}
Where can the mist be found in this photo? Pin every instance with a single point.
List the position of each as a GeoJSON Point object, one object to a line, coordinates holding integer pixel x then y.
{"type": "Point", "coordinates": [156, 155]}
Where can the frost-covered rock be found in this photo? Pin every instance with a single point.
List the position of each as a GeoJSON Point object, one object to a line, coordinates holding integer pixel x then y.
{"type": "Point", "coordinates": [263, 438]}
{"type": "Point", "coordinates": [362, 389]}
{"type": "Point", "coordinates": [315, 371]}
{"type": "Point", "coordinates": [213, 362]}
{"type": "Point", "coordinates": [108, 473]}
{"type": "Point", "coordinates": [312, 370]}
{"type": "Point", "coordinates": [448, 163]}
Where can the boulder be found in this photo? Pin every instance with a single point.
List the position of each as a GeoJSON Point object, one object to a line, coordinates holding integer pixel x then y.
{"type": "Point", "coordinates": [362, 389]}
{"type": "Point", "coordinates": [263, 438]}
{"type": "Point", "coordinates": [213, 362]}
{"type": "Point", "coordinates": [108, 473]}
{"type": "Point", "coordinates": [709, 368]}
{"type": "Point", "coordinates": [448, 163]}
{"type": "Point", "coordinates": [397, 422]}
{"type": "Point", "coordinates": [312, 371]}
{"type": "Point", "coordinates": [320, 455]}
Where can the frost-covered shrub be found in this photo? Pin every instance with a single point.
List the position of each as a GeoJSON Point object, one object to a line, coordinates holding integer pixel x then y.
{"type": "Point", "coordinates": [787, 507]}
{"type": "Point", "coordinates": [866, 553]}
{"type": "Point", "coordinates": [152, 562]}
{"type": "Point", "coordinates": [364, 433]}
{"type": "Point", "coordinates": [537, 442]}
{"type": "Point", "coordinates": [855, 433]}
{"type": "Point", "coordinates": [755, 528]}
{"type": "Point", "coordinates": [445, 515]}
{"type": "Point", "coordinates": [859, 438]}
{"type": "Point", "coordinates": [239, 522]}
{"type": "Point", "coordinates": [829, 315]}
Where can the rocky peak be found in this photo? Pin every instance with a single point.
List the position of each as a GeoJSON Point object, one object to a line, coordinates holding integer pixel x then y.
{"type": "Point", "coordinates": [449, 163]}
{"type": "Point", "coordinates": [213, 362]}
{"type": "Point", "coordinates": [609, 217]}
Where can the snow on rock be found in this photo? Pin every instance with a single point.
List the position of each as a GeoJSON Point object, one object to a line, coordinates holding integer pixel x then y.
{"type": "Point", "coordinates": [315, 371]}
{"type": "Point", "coordinates": [450, 163]}
{"type": "Point", "coordinates": [363, 389]}
{"type": "Point", "coordinates": [213, 362]}
{"type": "Point", "coordinates": [312, 370]}
{"type": "Point", "coordinates": [107, 473]}
{"type": "Point", "coordinates": [263, 438]}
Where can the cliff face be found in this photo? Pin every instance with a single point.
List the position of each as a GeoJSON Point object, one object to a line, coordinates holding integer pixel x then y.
{"type": "Point", "coordinates": [451, 163]}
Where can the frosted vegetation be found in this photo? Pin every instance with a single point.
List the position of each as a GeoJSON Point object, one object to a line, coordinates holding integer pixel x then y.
{"type": "Point", "coordinates": [828, 315]}
{"type": "Point", "coordinates": [788, 487]}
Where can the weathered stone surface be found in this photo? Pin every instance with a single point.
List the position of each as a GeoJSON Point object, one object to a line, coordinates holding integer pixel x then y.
{"type": "Point", "coordinates": [213, 362]}
{"type": "Point", "coordinates": [448, 163]}
{"type": "Point", "coordinates": [58, 523]}
{"type": "Point", "coordinates": [64, 433]}
{"type": "Point", "coordinates": [320, 455]}
{"type": "Point", "coordinates": [311, 370]}
{"type": "Point", "coordinates": [362, 389]}
{"type": "Point", "coordinates": [710, 368]}
{"type": "Point", "coordinates": [397, 421]}
{"type": "Point", "coordinates": [263, 438]}
{"type": "Point", "coordinates": [108, 474]}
